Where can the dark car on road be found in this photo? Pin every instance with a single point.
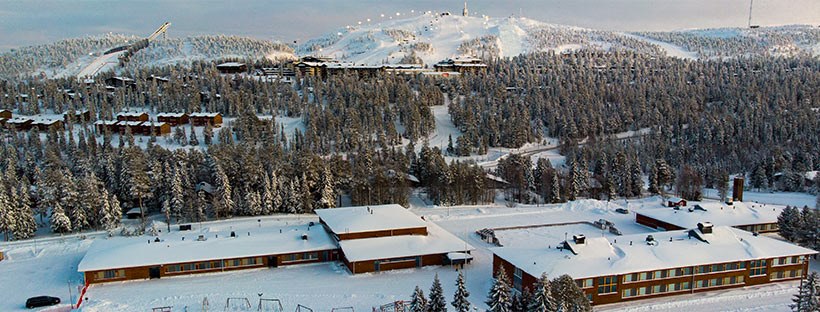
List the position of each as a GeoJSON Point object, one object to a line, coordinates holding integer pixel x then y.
{"type": "Point", "coordinates": [41, 301]}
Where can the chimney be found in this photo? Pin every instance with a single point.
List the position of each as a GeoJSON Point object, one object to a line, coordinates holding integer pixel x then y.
{"type": "Point", "coordinates": [579, 239]}
{"type": "Point", "coordinates": [737, 189]}
{"type": "Point", "coordinates": [304, 236]}
{"type": "Point", "coordinates": [705, 227]}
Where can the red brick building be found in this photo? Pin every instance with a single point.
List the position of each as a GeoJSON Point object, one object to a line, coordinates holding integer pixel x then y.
{"type": "Point", "coordinates": [633, 267]}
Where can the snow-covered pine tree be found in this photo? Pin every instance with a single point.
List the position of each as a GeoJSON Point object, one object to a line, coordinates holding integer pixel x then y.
{"type": "Point", "coordinates": [60, 223]}
{"type": "Point", "coordinates": [499, 299]}
{"type": "Point", "coordinates": [207, 134]}
{"type": "Point", "coordinates": [104, 211]}
{"type": "Point", "coordinates": [654, 188]}
{"type": "Point", "coordinates": [224, 205]}
{"type": "Point", "coordinates": [555, 189]}
{"type": "Point", "coordinates": [292, 201]}
{"type": "Point", "coordinates": [722, 184]}
{"type": "Point", "coordinates": [568, 296]}
{"type": "Point", "coordinates": [636, 179]}
{"type": "Point", "coordinates": [253, 203]}
{"type": "Point", "coordinates": [193, 140]}
{"type": "Point", "coordinates": [79, 220]}
{"type": "Point", "coordinates": [809, 234]}
{"type": "Point", "coordinates": [277, 189]}
{"type": "Point", "coordinates": [7, 216]}
{"type": "Point", "coordinates": [267, 196]}
{"type": "Point", "coordinates": [437, 303]}
{"type": "Point", "coordinates": [26, 224]}
{"type": "Point", "coordinates": [116, 211]}
{"type": "Point", "coordinates": [789, 223]}
{"type": "Point", "coordinates": [807, 298]}
{"type": "Point", "coordinates": [611, 191]}
{"type": "Point", "coordinates": [574, 186]}
{"type": "Point", "coordinates": [460, 302]}
{"type": "Point", "coordinates": [177, 200]}
{"type": "Point", "coordinates": [327, 196]}
{"type": "Point", "coordinates": [418, 302]}
{"type": "Point", "coordinates": [542, 300]}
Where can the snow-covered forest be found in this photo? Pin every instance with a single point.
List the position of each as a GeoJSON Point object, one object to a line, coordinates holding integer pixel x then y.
{"type": "Point", "coordinates": [365, 138]}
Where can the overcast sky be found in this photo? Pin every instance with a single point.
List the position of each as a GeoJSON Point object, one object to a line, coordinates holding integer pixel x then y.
{"type": "Point", "coordinates": [29, 22]}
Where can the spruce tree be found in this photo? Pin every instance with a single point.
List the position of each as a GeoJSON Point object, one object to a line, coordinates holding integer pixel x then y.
{"type": "Point", "coordinates": [568, 296]}
{"type": "Point", "coordinates": [418, 303]}
{"type": "Point", "coordinates": [789, 223]}
{"type": "Point", "coordinates": [437, 303]}
{"type": "Point", "coordinates": [542, 300]}
{"type": "Point", "coordinates": [177, 201]}
{"type": "Point", "coordinates": [555, 190]}
{"type": "Point", "coordinates": [60, 223]}
{"type": "Point", "coordinates": [7, 222]}
{"type": "Point", "coordinates": [327, 196]}
{"type": "Point", "coordinates": [807, 298]}
{"type": "Point", "coordinates": [223, 200]}
{"type": "Point", "coordinates": [116, 211]}
{"type": "Point", "coordinates": [26, 224]}
{"type": "Point", "coordinates": [460, 302]}
{"type": "Point", "coordinates": [499, 299]}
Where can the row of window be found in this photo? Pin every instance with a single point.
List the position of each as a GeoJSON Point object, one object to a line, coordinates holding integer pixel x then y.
{"type": "Point", "coordinates": [787, 260]}
{"type": "Point", "coordinates": [655, 289]}
{"type": "Point", "coordinates": [659, 274]}
{"type": "Point", "coordinates": [703, 269]}
{"type": "Point", "coordinates": [786, 274]}
{"type": "Point", "coordinates": [308, 256]}
{"type": "Point", "coordinates": [759, 227]}
{"type": "Point", "coordinates": [207, 265]}
{"type": "Point", "coordinates": [729, 280]}
{"type": "Point", "coordinates": [110, 274]}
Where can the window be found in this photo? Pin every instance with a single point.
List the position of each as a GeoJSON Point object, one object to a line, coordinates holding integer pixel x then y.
{"type": "Point", "coordinates": [628, 278]}
{"type": "Point", "coordinates": [518, 278]}
{"type": "Point", "coordinates": [656, 289]}
{"type": "Point", "coordinates": [628, 293]}
{"type": "Point", "coordinates": [701, 269]}
{"type": "Point", "coordinates": [584, 283]}
{"type": "Point", "coordinates": [641, 291]}
{"type": "Point", "coordinates": [686, 271]}
{"type": "Point", "coordinates": [758, 267]}
{"type": "Point", "coordinates": [658, 274]}
{"type": "Point", "coordinates": [110, 274]}
{"type": "Point", "coordinates": [607, 285]}
{"type": "Point", "coordinates": [172, 268]}
{"type": "Point", "coordinates": [685, 285]}
{"type": "Point", "coordinates": [672, 272]}
{"type": "Point", "coordinates": [642, 276]}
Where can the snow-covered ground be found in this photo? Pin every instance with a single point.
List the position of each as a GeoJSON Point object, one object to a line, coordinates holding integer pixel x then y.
{"type": "Point", "coordinates": [48, 267]}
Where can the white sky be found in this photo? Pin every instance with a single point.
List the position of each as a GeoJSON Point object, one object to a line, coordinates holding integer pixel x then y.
{"type": "Point", "coordinates": [28, 22]}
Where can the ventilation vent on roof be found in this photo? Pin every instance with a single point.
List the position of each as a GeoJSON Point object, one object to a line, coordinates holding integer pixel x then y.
{"type": "Point", "coordinates": [304, 236]}
{"type": "Point", "coordinates": [650, 240]}
{"type": "Point", "coordinates": [201, 238]}
{"type": "Point", "coordinates": [579, 239]}
{"type": "Point", "coordinates": [705, 227]}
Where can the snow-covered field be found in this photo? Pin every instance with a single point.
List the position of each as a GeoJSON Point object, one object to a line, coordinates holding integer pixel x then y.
{"type": "Point", "coordinates": [48, 267]}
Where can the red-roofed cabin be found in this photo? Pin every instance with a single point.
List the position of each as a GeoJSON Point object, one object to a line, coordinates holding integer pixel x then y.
{"type": "Point", "coordinates": [676, 202]}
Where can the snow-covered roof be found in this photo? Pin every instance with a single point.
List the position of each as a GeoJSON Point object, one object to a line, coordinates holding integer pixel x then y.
{"type": "Point", "coordinates": [106, 122]}
{"type": "Point", "coordinates": [602, 256]}
{"type": "Point", "coordinates": [369, 218]}
{"type": "Point", "coordinates": [130, 123]}
{"type": "Point", "coordinates": [230, 64]}
{"type": "Point", "coordinates": [126, 252]}
{"type": "Point", "coordinates": [130, 114]}
{"type": "Point", "coordinates": [810, 175]}
{"type": "Point", "coordinates": [135, 210]}
{"type": "Point", "coordinates": [675, 199]}
{"type": "Point", "coordinates": [437, 241]}
{"type": "Point", "coordinates": [203, 114]}
{"type": "Point", "coordinates": [739, 213]}
{"type": "Point", "coordinates": [45, 121]}
{"type": "Point", "coordinates": [18, 120]}
{"type": "Point", "coordinates": [172, 115]}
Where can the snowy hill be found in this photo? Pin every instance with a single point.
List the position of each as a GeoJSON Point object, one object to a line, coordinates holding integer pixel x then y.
{"type": "Point", "coordinates": [432, 37]}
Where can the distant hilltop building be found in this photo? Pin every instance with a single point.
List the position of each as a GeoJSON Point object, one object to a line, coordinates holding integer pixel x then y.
{"type": "Point", "coordinates": [465, 12]}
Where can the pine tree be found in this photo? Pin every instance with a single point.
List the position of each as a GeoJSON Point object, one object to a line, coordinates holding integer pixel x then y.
{"type": "Point", "coordinates": [437, 303]}
{"type": "Point", "coordinates": [26, 224]}
{"type": "Point", "coordinates": [253, 203]}
{"type": "Point", "coordinates": [267, 197]}
{"type": "Point", "coordinates": [418, 303]}
{"type": "Point", "coordinates": [460, 302]}
{"type": "Point", "coordinates": [654, 188]}
{"type": "Point", "coordinates": [499, 299]}
{"type": "Point", "coordinates": [107, 221]}
{"type": "Point", "coordinates": [543, 300]}
{"type": "Point", "coordinates": [636, 179]}
{"type": "Point", "coordinates": [223, 201]}
{"type": "Point", "coordinates": [177, 200]}
{"type": "Point", "coordinates": [809, 231]}
{"type": "Point", "coordinates": [208, 134]}
{"type": "Point", "coordinates": [193, 140]}
{"type": "Point", "coordinates": [568, 296]}
{"type": "Point", "coordinates": [327, 197]}
{"type": "Point", "coordinates": [7, 216]}
{"type": "Point", "coordinates": [789, 223]}
{"type": "Point", "coordinates": [807, 298]}
{"type": "Point", "coordinates": [60, 223]}
{"type": "Point", "coordinates": [116, 211]}
{"type": "Point", "coordinates": [555, 190]}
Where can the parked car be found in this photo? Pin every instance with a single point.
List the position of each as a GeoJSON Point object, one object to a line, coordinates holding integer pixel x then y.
{"type": "Point", "coordinates": [622, 210]}
{"type": "Point", "coordinates": [41, 301]}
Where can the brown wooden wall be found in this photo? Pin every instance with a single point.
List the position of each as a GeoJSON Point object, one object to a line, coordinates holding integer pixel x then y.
{"type": "Point", "coordinates": [656, 224]}
{"type": "Point", "coordinates": [396, 232]}
{"type": "Point", "coordinates": [370, 265]}
{"type": "Point", "coordinates": [143, 272]}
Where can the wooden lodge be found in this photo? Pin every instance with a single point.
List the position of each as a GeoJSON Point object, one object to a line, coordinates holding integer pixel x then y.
{"type": "Point", "coordinates": [173, 119]}
{"type": "Point", "coordinates": [132, 116]}
{"type": "Point", "coordinates": [202, 119]}
{"type": "Point", "coordinates": [19, 124]}
{"type": "Point", "coordinates": [5, 113]}
{"type": "Point", "coordinates": [232, 68]}
{"type": "Point", "coordinates": [461, 65]}
{"type": "Point", "coordinates": [634, 267]}
{"type": "Point", "coordinates": [119, 82]}
{"type": "Point", "coordinates": [136, 127]}
{"type": "Point", "coordinates": [77, 116]}
{"type": "Point", "coordinates": [45, 125]}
